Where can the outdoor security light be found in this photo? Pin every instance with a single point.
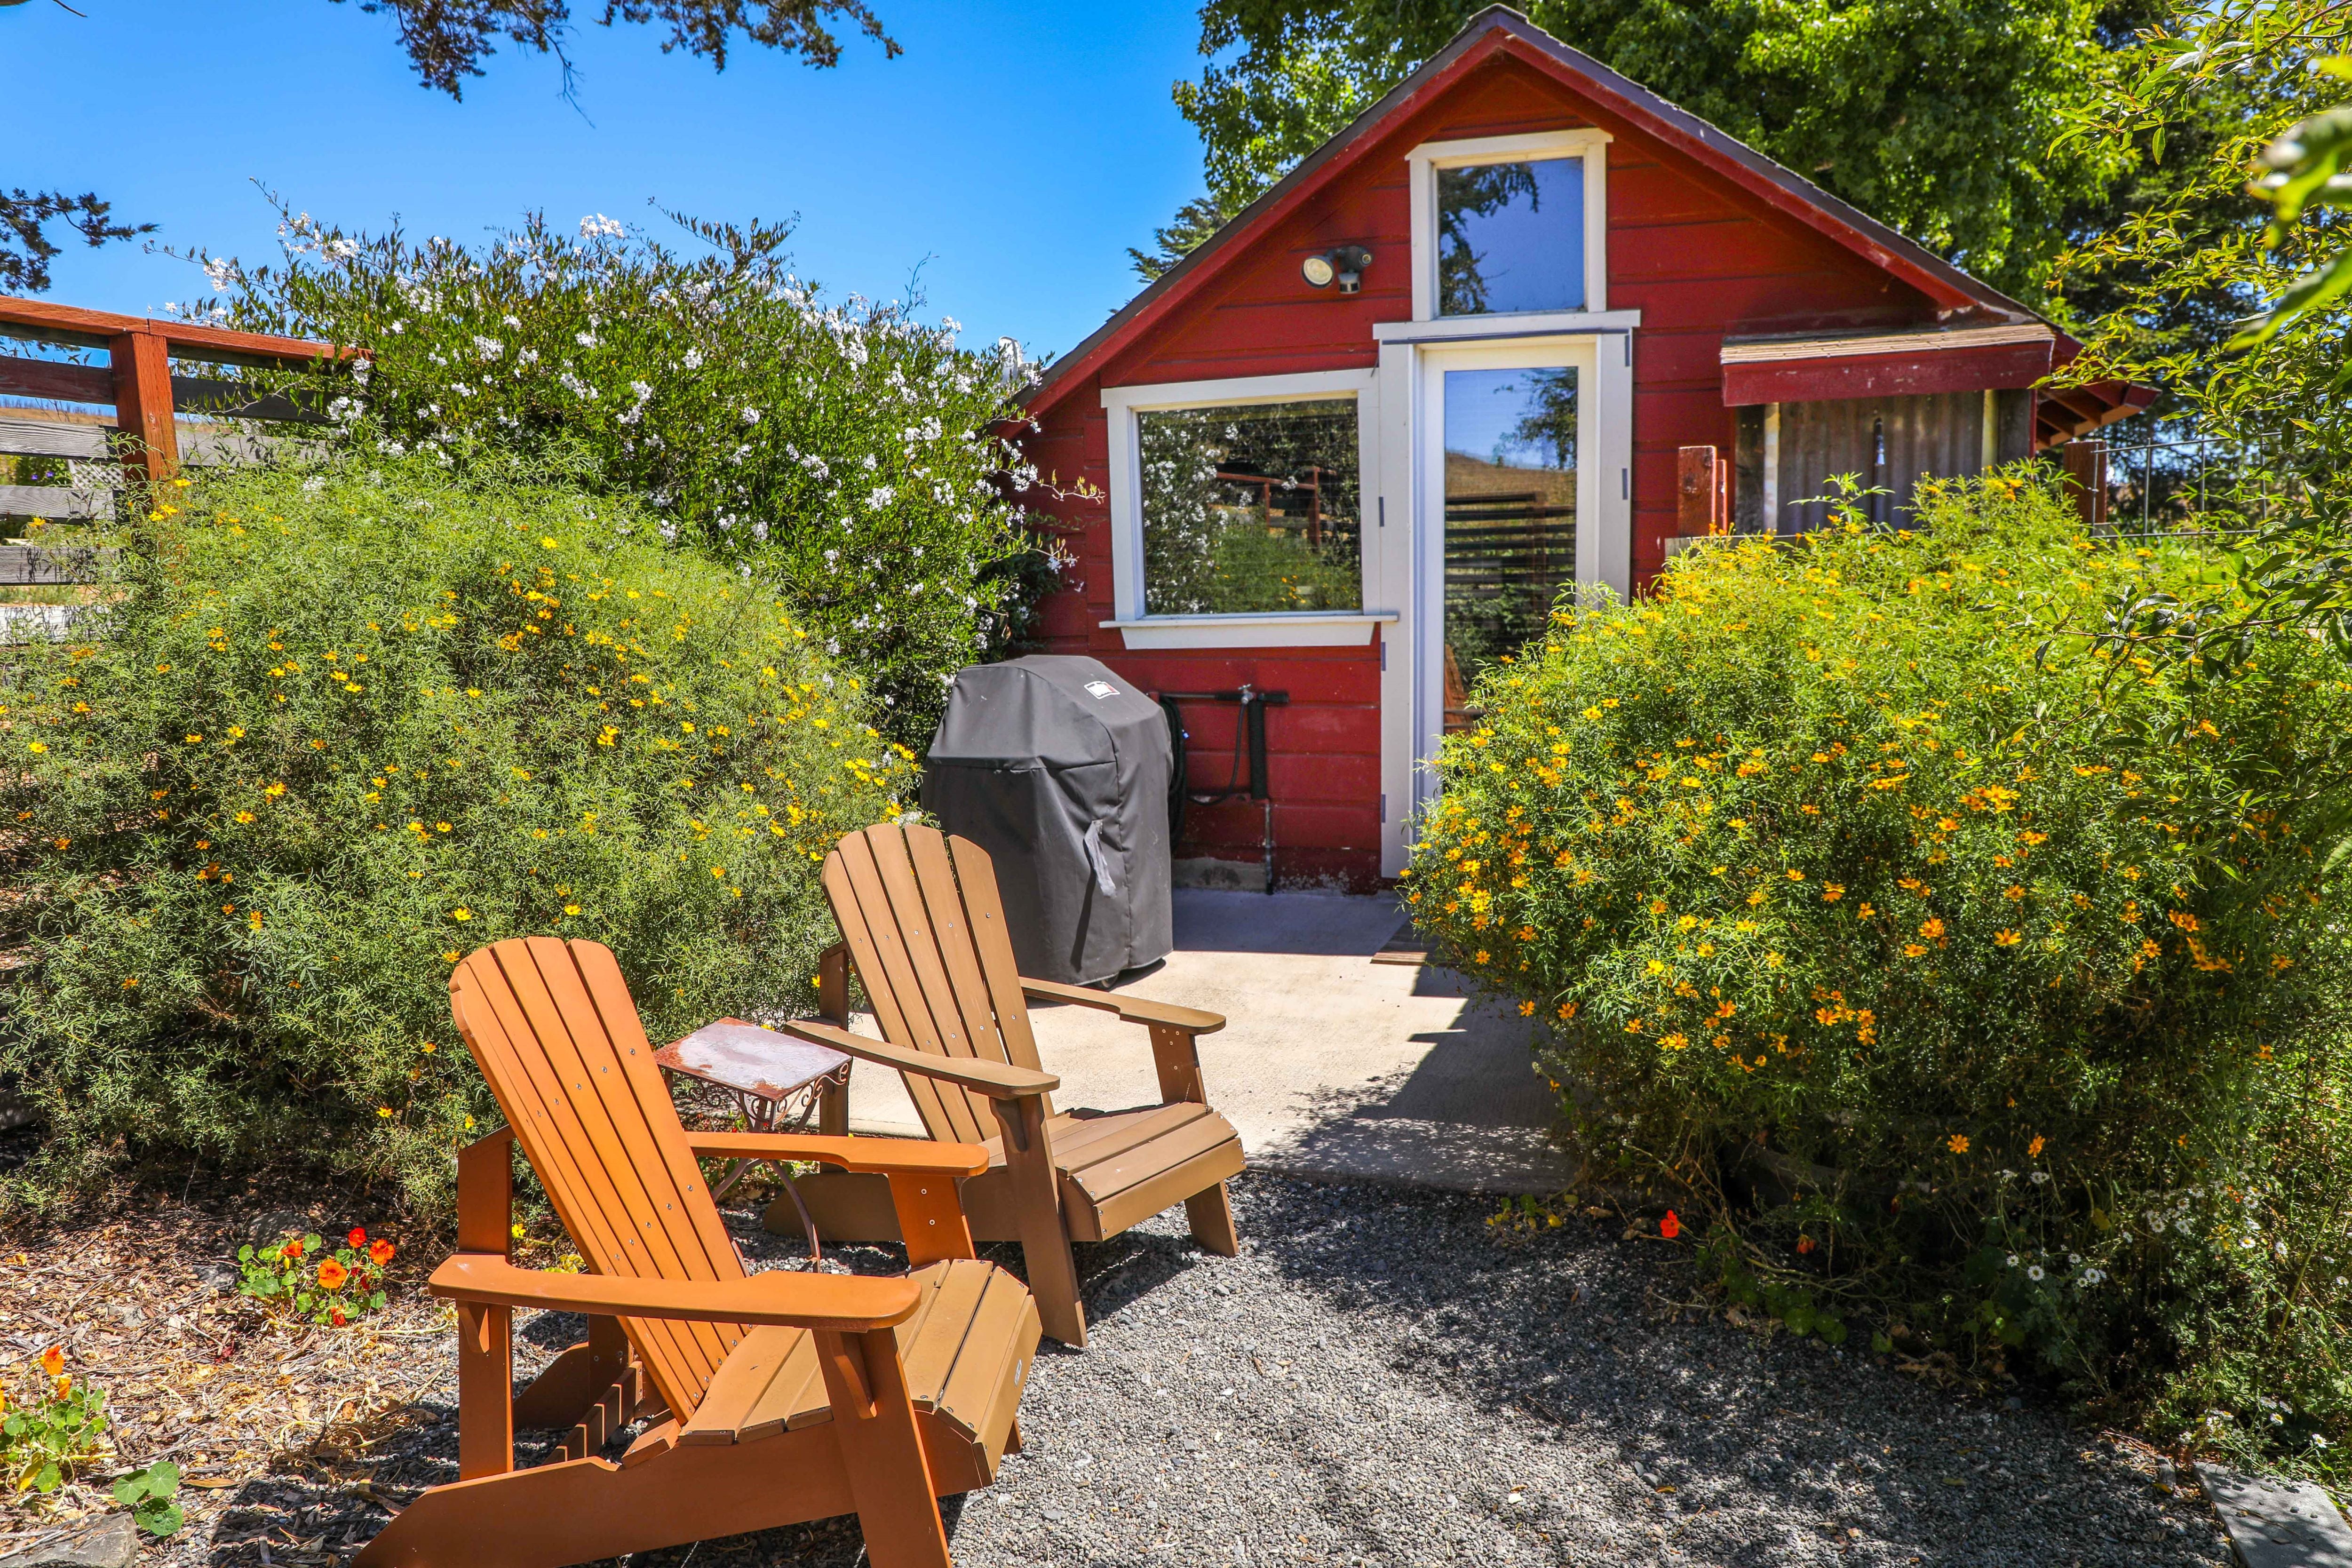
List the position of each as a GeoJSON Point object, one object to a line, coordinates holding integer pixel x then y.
{"type": "Point", "coordinates": [1347, 264]}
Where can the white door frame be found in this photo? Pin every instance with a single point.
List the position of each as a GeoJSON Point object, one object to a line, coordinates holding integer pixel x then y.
{"type": "Point", "coordinates": [1412, 480]}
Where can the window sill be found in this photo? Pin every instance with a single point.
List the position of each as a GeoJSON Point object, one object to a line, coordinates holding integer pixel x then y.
{"type": "Point", "coordinates": [1313, 628]}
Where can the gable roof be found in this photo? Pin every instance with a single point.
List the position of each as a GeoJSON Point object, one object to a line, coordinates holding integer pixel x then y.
{"type": "Point", "coordinates": [1500, 32]}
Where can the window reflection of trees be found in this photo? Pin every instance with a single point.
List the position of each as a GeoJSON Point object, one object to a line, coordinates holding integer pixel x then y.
{"type": "Point", "coordinates": [1463, 195]}
{"type": "Point", "coordinates": [1510, 532]}
{"type": "Point", "coordinates": [1253, 507]}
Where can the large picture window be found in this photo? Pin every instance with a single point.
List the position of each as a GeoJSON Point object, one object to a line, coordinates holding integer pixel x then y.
{"type": "Point", "coordinates": [1510, 237]}
{"type": "Point", "coordinates": [1250, 507]}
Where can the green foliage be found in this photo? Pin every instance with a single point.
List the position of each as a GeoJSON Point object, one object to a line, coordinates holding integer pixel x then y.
{"type": "Point", "coordinates": [1793, 1307]}
{"type": "Point", "coordinates": [2305, 179]}
{"type": "Point", "coordinates": [446, 43]}
{"type": "Point", "coordinates": [53, 1429]}
{"type": "Point", "coordinates": [339, 728]}
{"type": "Point", "coordinates": [297, 1274]}
{"type": "Point", "coordinates": [2193, 104]}
{"type": "Point", "coordinates": [1843, 872]}
{"type": "Point", "coordinates": [845, 454]}
{"type": "Point", "coordinates": [1194, 222]}
{"type": "Point", "coordinates": [150, 1494]}
{"type": "Point", "coordinates": [1937, 116]}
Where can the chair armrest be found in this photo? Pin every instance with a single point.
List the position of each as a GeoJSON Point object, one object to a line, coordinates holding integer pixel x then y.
{"type": "Point", "coordinates": [1133, 1009]}
{"type": "Point", "coordinates": [995, 1079]}
{"type": "Point", "coordinates": [883, 1155]}
{"type": "Point", "coordinates": [850, 1303]}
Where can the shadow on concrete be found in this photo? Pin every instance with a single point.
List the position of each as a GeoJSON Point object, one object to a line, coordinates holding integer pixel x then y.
{"type": "Point", "coordinates": [1212, 921]}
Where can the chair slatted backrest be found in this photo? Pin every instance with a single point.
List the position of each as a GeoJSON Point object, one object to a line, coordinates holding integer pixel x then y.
{"type": "Point", "coordinates": [556, 1033]}
{"type": "Point", "coordinates": [920, 914]}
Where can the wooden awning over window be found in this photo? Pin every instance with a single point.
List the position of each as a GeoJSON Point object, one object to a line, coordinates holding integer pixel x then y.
{"type": "Point", "coordinates": [1886, 365]}
{"type": "Point", "coordinates": [2006, 357]}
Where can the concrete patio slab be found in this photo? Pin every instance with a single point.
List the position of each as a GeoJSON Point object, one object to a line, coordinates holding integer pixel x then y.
{"type": "Point", "coordinates": [1330, 1064]}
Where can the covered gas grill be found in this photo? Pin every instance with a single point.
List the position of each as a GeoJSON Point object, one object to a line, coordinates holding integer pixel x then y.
{"type": "Point", "coordinates": [1060, 770]}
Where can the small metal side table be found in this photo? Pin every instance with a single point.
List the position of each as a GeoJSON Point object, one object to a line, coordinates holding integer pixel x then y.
{"type": "Point", "coordinates": [778, 1084]}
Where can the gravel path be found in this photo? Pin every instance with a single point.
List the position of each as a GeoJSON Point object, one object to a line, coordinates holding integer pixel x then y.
{"type": "Point", "coordinates": [1381, 1379]}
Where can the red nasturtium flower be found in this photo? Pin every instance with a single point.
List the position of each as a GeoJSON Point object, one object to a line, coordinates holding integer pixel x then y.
{"type": "Point", "coordinates": [336, 1317]}
{"type": "Point", "coordinates": [381, 1253]}
{"type": "Point", "coordinates": [293, 1248]}
{"type": "Point", "coordinates": [358, 1237]}
{"type": "Point", "coordinates": [1671, 1227]}
{"type": "Point", "coordinates": [332, 1274]}
{"type": "Point", "coordinates": [53, 1360]}
{"type": "Point", "coordinates": [1804, 1244]}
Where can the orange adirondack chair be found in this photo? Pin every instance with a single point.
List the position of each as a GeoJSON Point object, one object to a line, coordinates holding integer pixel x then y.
{"type": "Point", "coordinates": [779, 1397]}
{"type": "Point", "coordinates": [923, 923]}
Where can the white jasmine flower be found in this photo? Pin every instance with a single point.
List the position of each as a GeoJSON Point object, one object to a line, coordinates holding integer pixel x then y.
{"type": "Point", "coordinates": [314, 484]}
{"type": "Point", "coordinates": [693, 360]}
{"type": "Point", "coordinates": [585, 340]}
{"type": "Point", "coordinates": [488, 348]}
{"type": "Point", "coordinates": [596, 226]}
{"type": "Point", "coordinates": [750, 417]}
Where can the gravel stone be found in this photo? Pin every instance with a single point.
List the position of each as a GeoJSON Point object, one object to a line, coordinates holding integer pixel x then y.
{"type": "Point", "coordinates": [1382, 1378]}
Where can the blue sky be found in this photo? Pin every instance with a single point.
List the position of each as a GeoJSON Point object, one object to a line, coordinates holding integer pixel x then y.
{"type": "Point", "coordinates": [1012, 152]}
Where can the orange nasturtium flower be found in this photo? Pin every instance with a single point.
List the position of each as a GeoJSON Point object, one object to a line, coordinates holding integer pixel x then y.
{"type": "Point", "coordinates": [293, 1248]}
{"type": "Point", "coordinates": [380, 1253]}
{"type": "Point", "coordinates": [332, 1274]}
{"type": "Point", "coordinates": [53, 1360]}
{"type": "Point", "coordinates": [1957, 1143]}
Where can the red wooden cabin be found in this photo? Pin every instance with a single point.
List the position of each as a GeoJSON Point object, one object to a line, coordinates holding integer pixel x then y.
{"type": "Point", "coordinates": [1524, 324]}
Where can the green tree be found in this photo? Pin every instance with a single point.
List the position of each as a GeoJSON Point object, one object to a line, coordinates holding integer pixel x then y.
{"type": "Point", "coordinates": [1936, 116]}
{"type": "Point", "coordinates": [26, 247]}
{"type": "Point", "coordinates": [2245, 81]}
{"type": "Point", "coordinates": [446, 40]}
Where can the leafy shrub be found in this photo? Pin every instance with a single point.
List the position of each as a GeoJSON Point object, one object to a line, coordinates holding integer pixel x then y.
{"type": "Point", "coordinates": [341, 729]}
{"type": "Point", "coordinates": [1845, 872]}
{"type": "Point", "coordinates": [298, 1274]}
{"type": "Point", "coordinates": [848, 452]}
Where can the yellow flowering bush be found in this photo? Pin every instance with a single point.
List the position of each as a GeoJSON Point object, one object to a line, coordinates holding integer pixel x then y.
{"type": "Point", "coordinates": [1854, 877]}
{"type": "Point", "coordinates": [338, 728]}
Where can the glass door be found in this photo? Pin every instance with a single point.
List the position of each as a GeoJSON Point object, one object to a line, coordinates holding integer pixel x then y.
{"type": "Point", "coordinates": [1502, 496]}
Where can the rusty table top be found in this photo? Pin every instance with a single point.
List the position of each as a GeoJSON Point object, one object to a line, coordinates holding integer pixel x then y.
{"type": "Point", "coordinates": [749, 1060]}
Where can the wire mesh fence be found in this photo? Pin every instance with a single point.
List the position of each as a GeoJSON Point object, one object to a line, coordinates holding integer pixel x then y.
{"type": "Point", "coordinates": [2155, 484]}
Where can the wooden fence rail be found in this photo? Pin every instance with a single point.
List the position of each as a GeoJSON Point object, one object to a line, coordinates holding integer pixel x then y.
{"type": "Point", "coordinates": [142, 435]}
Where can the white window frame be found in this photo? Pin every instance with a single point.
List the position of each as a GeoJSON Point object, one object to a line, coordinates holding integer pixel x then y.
{"type": "Point", "coordinates": [1587, 142]}
{"type": "Point", "coordinates": [1303, 628]}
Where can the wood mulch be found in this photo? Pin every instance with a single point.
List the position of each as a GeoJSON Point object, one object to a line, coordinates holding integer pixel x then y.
{"type": "Point", "coordinates": [266, 1415]}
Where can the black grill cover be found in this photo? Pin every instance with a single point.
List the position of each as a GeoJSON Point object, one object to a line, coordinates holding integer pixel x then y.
{"type": "Point", "coordinates": [1059, 769]}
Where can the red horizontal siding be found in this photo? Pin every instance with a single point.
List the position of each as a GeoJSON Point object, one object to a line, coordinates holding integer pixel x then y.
{"type": "Point", "coordinates": [1698, 257]}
